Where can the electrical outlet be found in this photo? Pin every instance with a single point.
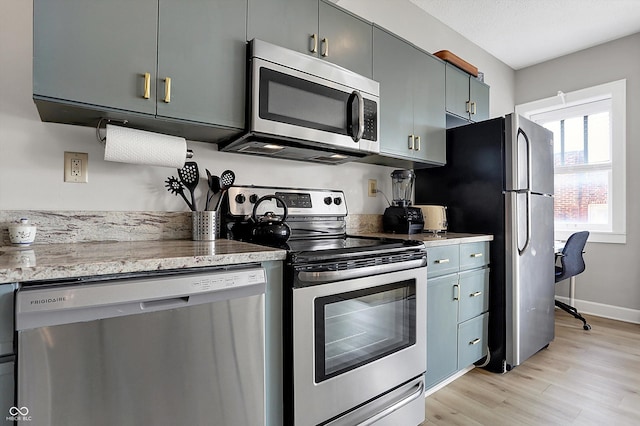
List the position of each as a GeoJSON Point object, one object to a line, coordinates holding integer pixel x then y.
{"type": "Point", "coordinates": [75, 167]}
{"type": "Point", "coordinates": [373, 187]}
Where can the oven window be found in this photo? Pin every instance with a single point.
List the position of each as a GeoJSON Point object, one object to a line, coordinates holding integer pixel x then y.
{"type": "Point", "coordinates": [358, 327]}
{"type": "Point", "coordinates": [299, 102]}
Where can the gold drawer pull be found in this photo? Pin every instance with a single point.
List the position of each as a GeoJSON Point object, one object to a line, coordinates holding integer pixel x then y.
{"type": "Point", "coordinates": [147, 85]}
{"type": "Point", "coordinates": [476, 294]}
{"type": "Point", "coordinates": [476, 255]}
{"type": "Point", "coordinates": [441, 261]}
{"type": "Point", "coordinates": [325, 47]}
{"type": "Point", "coordinates": [474, 342]}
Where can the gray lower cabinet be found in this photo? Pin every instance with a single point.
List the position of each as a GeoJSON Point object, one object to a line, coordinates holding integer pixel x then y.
{"type": "Point", "coordinates": [315, 27]}
{"type": "Point", "coordinates": [183, 61]}
{"type": "Point", "coordinates": [6, 352]}
{"type": "Point", "coordinates": [457, 308]}
{"type": "Point", "coordinates": [412, 119]}
{"type": "Point", "coordinates": [467, 98]}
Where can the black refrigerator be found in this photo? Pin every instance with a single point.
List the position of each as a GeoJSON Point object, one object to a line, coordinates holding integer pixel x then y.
{"type": "Point", "coordinates": [499, 180]}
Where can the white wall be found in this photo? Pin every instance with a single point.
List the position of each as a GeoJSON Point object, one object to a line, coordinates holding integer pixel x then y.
{"type": "Point", "coordinates": [612, 277]}
{"type": "Point", "coordinates": [31, 152]}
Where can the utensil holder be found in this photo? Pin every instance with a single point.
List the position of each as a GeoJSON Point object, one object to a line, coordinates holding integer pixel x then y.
{"type": "Point", "coordinates": [206, 226]}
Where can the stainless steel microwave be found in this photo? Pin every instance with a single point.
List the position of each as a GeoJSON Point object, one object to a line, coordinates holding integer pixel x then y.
{"type": "Point", "coordinates": [305, 108]}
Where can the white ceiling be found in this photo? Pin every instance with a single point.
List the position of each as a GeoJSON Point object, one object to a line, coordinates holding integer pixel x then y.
{"type": "Point", "coordinates": [526, 32]}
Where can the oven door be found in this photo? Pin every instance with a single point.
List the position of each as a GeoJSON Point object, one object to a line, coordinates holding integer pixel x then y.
{"type": "Point", "coordinates": [299, 105]}
{"type": "Point", "coordinates": [356, 341]}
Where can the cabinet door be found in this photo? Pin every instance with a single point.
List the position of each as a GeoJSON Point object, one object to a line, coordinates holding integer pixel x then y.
{"type": "Point", "coordinates": [392, 59]}
{"type": "Point", "coordinates": [349, 39]}
{"type": "Point", "coordinates": [286, 23]}
{"type": "Point", "coordinates": [479, 95]}
{"type": "Point", "coordinates": [6, 319]}
{"type": "Point", "coordinates": [457, 91]}
{"type": "Point", "coordinates": [6, 391]}
{"type": "Point", "coordinates": [474, 293]}
{"type": "Point", "coordinates": [96, 52]}
{"type": "Point", "coordinates": [202, 49]}
{"type": "Point", "coordinates": [472, 340]}
{"type": "Point", "coordinates": [429, 109]}
{"type": "Point", "coordinates": [442, 328]}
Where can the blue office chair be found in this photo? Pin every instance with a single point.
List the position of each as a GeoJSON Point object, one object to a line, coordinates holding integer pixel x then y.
{"type": "Point", "coordinates": [572, 264]}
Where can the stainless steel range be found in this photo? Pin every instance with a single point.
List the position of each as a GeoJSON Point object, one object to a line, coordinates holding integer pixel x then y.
{"type": "Point", "coordinates": [354, 321]}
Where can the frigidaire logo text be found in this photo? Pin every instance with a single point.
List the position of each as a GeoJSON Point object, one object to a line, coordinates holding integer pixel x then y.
{"type": "Point", "coordinates": [49, 300]}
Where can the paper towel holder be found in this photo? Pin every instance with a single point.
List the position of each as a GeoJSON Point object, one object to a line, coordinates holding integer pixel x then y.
{"type": "Point", "coordinates": [102, 139]}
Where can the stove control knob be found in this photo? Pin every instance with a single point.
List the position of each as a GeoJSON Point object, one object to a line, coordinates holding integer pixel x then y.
{"type": "Point", "coordinates": [253, 198]}
{"type": "Point", "coordinates": [240, 198]}
{"type": "Point", "coordinates": [337, 201]}
{"type": "Point", "coordinates": [327, 200]}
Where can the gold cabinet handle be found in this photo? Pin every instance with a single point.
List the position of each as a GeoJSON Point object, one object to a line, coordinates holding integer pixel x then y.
{"type": "Point", "coordinates": [474, 342]}
{"type": "Point", "coordinates": [417, 143]}
{"type": "Point", "coordinates": [468, 106]}
{"type": "Point", "coordinates": [473, 107]}
{"type": "Point", "coordinates": [412, 139]}
{"type": "Point", "coordinates": [314, 43]}
{"type": "Point", "coordinates": [476, 255]}
{"type": "Point", "coordinates": [167, 89]}
{"type": "Point", "coordinates": [438, 261]}
{"type": "Point", "coordinates": [325, 47]}
{"type": "Point", "coordinates": [456, 289]}
{"type": "Point", "coordinates": [147, 85]}
{"type": "Point", "coordinates": [476, 294]}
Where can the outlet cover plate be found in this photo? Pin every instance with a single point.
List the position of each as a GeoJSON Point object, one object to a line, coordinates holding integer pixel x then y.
{"type": "Point", "coordinates": [76, 166]}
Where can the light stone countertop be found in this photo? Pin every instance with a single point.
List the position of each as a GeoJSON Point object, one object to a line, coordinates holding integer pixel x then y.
{"type": "Point", "coordinates": [60, 261]}
{"type": "Point", "coordinates": [430, 240]}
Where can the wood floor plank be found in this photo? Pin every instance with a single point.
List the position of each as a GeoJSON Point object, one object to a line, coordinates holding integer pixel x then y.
{"type": "Point", "coordinates": [583, 378]}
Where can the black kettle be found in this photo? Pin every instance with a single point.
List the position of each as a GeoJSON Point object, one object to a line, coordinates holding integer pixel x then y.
{"type": "Point", "coordinates": [269, 229]}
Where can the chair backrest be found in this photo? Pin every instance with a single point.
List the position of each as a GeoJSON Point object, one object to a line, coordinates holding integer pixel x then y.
{"type": "Point", "coordinates": [572, 261]}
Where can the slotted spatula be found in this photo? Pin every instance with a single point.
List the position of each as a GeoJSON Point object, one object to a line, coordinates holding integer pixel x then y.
{"type": "Point", "coordinates": [190, 175]}
{"type": "Point", "coordinates": [226, 180]}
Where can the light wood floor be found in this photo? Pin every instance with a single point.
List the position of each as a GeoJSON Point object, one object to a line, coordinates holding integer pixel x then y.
{"type": "Point", "coordinates": [583, 377]}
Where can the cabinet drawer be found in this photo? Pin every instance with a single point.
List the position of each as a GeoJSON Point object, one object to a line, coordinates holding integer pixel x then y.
{"type": "Point", "coordinates": [443, 260]}
{"type": "Point", "coordinates": [472, 340]}
{"type": "Point", "coordinates": [474, 255]}
{"type": "Point", "coordinates": [474, 293]}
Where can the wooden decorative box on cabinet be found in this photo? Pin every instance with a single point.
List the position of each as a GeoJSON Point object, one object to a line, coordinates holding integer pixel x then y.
{"type": "Point", "coordinates": [181, 61]}
{"type": "Point", "coordinates": [467, 98]}
{"type": "Point", "coordinates": [314, 27]}
{"type": "Point", "coordinates": [457, 308]}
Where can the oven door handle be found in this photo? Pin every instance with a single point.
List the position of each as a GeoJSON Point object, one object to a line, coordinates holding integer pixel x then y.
{"type": "Point", "coordinates": [395, 407]}
{"type": "Point", "coordinates": [343, 275]}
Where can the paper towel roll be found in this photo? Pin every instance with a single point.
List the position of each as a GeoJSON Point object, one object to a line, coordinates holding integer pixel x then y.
{"type": "Point", "coordinates": [134, 146]}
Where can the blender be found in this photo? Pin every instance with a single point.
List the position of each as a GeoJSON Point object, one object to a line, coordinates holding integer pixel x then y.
{"type": "Point", "coordinates": [400, 217]}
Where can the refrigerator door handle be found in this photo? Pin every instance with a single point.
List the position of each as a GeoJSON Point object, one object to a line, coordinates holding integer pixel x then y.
{"type": "Point", "coordinates": [528, 227]}
{"type": "Point", "coordinates": [529, 161]}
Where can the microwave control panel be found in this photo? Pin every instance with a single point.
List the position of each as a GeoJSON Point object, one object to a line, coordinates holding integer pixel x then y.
{"type": "Point", "coordinates": [370, 120]}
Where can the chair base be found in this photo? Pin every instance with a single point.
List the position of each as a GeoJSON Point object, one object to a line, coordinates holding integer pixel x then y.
{"type": "Point", "coordinates": [573, 311]}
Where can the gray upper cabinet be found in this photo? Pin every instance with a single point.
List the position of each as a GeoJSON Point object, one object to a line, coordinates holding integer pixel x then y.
{"type": "Point", "coordinates": [345, 39]}
{"type": "Point", "coordinates": [182, 61]}
{"type": "Point", "coordinates": [467, 98]}
{"type": "Point", "coordinates": [202, 49]}
{"type": "Point", "coordinates": [92, 52]}
{"type": "Point", "coordinates": [315, 28]}
{"type": "Point", "coordinates": [412, 98]}
{"type": "Point", "coordinates": [286, 23]}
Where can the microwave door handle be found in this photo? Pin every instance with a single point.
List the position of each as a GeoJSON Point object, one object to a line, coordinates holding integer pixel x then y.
{"type": "Point", "coordinates": [355, 130]}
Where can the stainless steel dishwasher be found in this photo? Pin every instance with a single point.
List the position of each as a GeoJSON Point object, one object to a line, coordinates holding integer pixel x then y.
{"type": "Point", "coordinates": [184, 348]}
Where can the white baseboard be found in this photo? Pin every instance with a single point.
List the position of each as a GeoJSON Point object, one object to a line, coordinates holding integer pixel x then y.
{"type": "Point", "coordinates": [605, 311]}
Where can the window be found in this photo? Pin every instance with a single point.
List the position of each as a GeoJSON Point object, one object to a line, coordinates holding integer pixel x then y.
{"type": "Point", "coordinates": [589, 159]}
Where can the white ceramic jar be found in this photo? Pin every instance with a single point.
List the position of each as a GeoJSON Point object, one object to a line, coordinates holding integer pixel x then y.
{"type": "Point", "coordinates": [22, 232]}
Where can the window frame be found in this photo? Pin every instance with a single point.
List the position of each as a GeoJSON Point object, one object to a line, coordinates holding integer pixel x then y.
{"type": "Point", "coordinates": [616, 91]}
